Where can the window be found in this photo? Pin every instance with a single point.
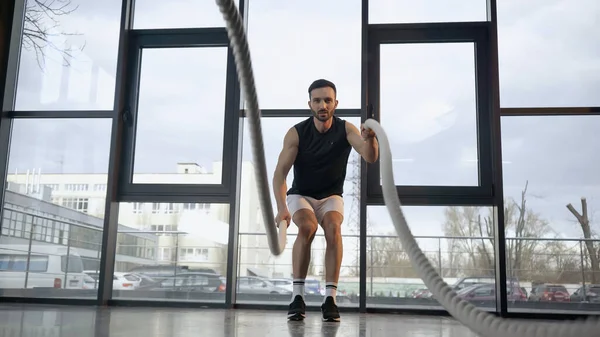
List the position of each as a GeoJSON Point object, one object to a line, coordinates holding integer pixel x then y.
{"type": "Point", "coordinates": [194, 206]}
{"type": "Point", "coordinates": [78, 204]}
{"type": "Point", "coordinates": [177, 14]}
{"type": "Point", "coordinates": [407, 11]}
{"type": "Point", "coordinates": [10, 262]}
{"type": "Point", "coordinates": [194, 254]}
{"type": "Point", "coordinates": [199, 244]}
{"type": "Point", "coordinates": [164, 146]}
{"type": "Point", "coordinates": [545, 55]}
{"type": "Point", "coordinates": [137, 208]}
{"type": "Point", "coordinates": [53, 187]}
{"type": "Point", "coordinates": [308, 44]}
{"type": "Point", "coordinates": [57, 72]}
{"type": "Point", "coordinates": [165, 254]}
{"type": "Point", "coordinates": [76, 187]}
{"type": "Point", "coordinates": [72, 264]}
{"type": "Point", "coordinates": [428, 107]}
{"type": "Point", "coordinates": [545, 179]}
{"type": "Point", "coordinates": [59, 150]}
{"type": "Point", "coordinates": [163, 228]}
{"type": "Point", "coordinates": [255, 257]}
{"type": "Point", "coordinates": [458, 241]}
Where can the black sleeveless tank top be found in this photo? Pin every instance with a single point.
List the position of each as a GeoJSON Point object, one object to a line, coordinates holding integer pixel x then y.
{"type": "Point", "coordinates": [320, 166]}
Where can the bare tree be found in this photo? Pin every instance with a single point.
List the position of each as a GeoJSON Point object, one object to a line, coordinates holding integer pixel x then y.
{"type": "Point", "coordinates": [593, 253]}
{"type": "Point", "coordinates": [42, 23]}
{"type": "Point", "coordinates": [526, 224]}
{"type": "Point", "coordinates": [478, 250]}
{"type": "Point", "coordinates": [387, 258]}
{"type": "Point", "coordinates": [478, 242]}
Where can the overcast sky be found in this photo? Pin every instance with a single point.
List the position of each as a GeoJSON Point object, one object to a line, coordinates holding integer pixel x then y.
{"type": "Point", "coordinates": [428, 105]}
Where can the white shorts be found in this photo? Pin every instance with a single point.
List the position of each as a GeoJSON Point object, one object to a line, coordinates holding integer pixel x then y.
{"type": "Point", "coordinates": [297, 202]}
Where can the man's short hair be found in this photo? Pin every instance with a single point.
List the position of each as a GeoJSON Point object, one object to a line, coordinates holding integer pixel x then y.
{"type": "Point", "coordinates": [321, 83]}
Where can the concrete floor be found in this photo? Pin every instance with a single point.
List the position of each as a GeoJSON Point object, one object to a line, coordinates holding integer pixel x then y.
{"type": "Point", "coordinates": [58, 321]}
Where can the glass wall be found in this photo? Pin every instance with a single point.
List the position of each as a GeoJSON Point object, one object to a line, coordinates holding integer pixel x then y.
{"type": "Point", "coordinates": [549, 139]}
{"type": "Point", "coordinates": [310, 44]}
{"type": "Point", "coordinates": [458, 242]}
{"type": "Point", "coordinates": [565, 71]}
{"type": "Point", "coordinates": [54, 204]}
{"type": "Point", "coordinates": [551, 193]}
{"type": "Point", "coordinates": [188, 260]}
{"type": "Point", "coordinates": [68, 58]}
{"type": "Point", "coordinates": [429, 105]}
{"type": "Point", "coordinates": [196, 94]}
{"type": "Point", "coordinates": [147, 134]}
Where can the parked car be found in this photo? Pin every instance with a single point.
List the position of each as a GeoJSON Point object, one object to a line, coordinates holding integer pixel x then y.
{"type": "Point", "coordinates": [158, 272]}
{"type": "Point", "coordinates": [121, 281]}
{"type": "Point", "coordinates": [313, 287]}
{"type": "Point", "coordinates": [592, 294]}
{"type": "Point", "coordinates": [258, 285]}
{"type": "Point", "coordinates": [422, 293]}
{"type": "Point", "coordinates": [189, 282]}
{"type": "Point", "coordinates": [487, 292]}
{"type": "Point", "coordinates": [474, 280]}
{"type": "Point", "coordinates": [549, 293]}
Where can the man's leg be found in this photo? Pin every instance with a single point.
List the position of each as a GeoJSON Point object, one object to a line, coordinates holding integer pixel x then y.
{"type": "Point", "coordinates": [332, 223]}
{"type": "Point", "coordinates": [333, 215]}
{"type": "Point", "coordinates": [304, 218]}
{"type": "Point", "coordinates": [307, 228]}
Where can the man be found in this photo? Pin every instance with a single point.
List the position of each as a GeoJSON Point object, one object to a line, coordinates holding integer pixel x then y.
{"type": "Point", "coordinates": [318, 148]}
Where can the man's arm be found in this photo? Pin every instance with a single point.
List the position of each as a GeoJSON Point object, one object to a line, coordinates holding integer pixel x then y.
{"type": "Point", "coordinates": [368, 149]}
{"type": "Point", "coordinates": [284, 164]}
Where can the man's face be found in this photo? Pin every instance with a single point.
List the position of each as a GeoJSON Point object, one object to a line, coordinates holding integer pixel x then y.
{"type": "Point", "coordinates": [323, 103]}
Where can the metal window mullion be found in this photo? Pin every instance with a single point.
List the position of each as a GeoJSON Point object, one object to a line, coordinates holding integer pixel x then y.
{"type": "Point", "coordinates": [111, 210]}
{"type": "Point", "coordinates": [57, 114]}
{"type": "Point", "coordinates": [364, 114]}
{"type": "Point", "coordinates": [484, 115]}
{"type": "Point", "coordinates": [235, 104]}
{"type": "Point", "coordinates": [14, 36]}
{"type": "Point", "coordinates": [291, 113]}
{"type": "Point", "coordinates": [496, 137]}
{"type": "Point", "coordinates": [181, 38]}
{"type": "Point", "coordinates": [550, 111]}
{"type": "Point", "coordinates": [13, 40]}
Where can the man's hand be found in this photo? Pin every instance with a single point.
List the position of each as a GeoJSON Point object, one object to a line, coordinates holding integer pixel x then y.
{"type": "Point", "coordinates": [283, 214]}
{"type": "Point", "coordinates": [366, 134]}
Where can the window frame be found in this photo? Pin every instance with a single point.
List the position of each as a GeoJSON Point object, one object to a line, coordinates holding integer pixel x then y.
{"type": "Point", "coordinates": [476, 33]}
{"type": "Point", "coordinates": [175, 39]}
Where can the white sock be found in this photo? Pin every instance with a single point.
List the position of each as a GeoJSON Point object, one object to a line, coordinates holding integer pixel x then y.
{"type": "Point", "coordinates": [330, 290]}
{"type": "Point", "coordinates": [298, 288]}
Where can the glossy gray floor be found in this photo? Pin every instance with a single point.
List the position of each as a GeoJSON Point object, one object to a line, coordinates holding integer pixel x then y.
{"type": "Point", "coordinates": [57, 321]}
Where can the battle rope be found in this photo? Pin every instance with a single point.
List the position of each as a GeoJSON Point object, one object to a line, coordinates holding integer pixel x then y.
{"type": "Point", "coordinates": [477, 320]}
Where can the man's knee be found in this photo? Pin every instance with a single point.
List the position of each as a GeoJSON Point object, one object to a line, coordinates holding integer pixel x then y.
{"type": "Point", "coordinates": [332, 226]}
{"type": "Point", "coordinates": [307, 224]}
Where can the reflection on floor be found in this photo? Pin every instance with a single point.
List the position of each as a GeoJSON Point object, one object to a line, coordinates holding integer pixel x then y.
{"type": "Point", "coordinates": [58, 321]}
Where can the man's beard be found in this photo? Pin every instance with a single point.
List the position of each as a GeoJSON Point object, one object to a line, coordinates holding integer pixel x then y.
{"type": "Point", "coordinates": [322, 116]}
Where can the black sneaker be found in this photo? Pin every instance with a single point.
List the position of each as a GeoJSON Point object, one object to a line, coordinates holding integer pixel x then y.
{"type": "Point", "coordinates": [330, 310]}
{"type": "Point", "coordinates": [297, 311]}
